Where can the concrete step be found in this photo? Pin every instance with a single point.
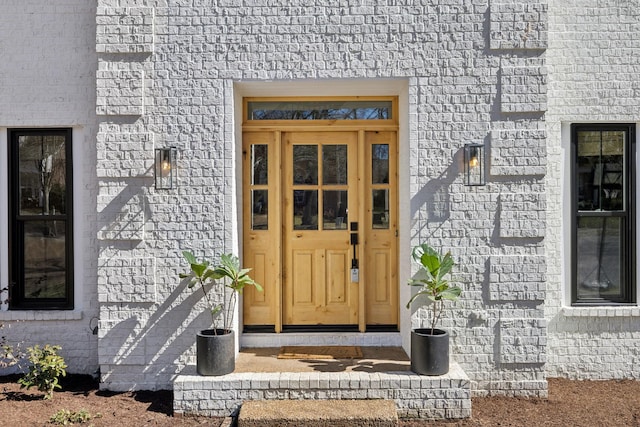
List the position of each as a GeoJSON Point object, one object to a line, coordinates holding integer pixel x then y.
{"type": "Point", "coordinates": [318, 413]}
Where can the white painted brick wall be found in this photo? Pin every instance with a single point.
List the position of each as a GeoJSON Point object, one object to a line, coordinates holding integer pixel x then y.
{"type": "Point", "coordinates": [124, 30]}
{"type": "Point", "coordinates": [174, 86]}
{"type": "Point", "coordinates": [517, 152]}
{"type": "Point", "coordinates": [459, 92]}
{"type": "Point", "coordinates": [593, 62]}
{"type": "Point", "coordinates": [523, 85]}
{"type": "Point", "coordinates": [518, 25]}
{"type": "Point", "coordinates": [522, 215]}
{"type": "Point", "coordinates": [47, 79]}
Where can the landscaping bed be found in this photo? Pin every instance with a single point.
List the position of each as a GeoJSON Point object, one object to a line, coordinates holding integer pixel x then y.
{"type": "Point", "coordinates": [574, 403]}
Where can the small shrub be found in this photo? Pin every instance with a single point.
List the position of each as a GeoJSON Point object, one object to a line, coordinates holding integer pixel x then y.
{"type": "Point", "coordinates": [7, 358]}
{"type": "Point", "coordinates": [9, 354]}
{"type": "Point", "coordinates": [45, 370]}
{"type": "Point", "coordinates": [66, 417]}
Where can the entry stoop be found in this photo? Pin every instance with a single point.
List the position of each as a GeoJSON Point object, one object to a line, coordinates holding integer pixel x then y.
{"type": "Point", "coordinates": [318, 413]}
{"type": "Point", "coordinates": [415, 396]}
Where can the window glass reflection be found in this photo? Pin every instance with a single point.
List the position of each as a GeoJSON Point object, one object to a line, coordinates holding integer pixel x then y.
{"type": "Point", "coordinates": [599, 264]}
{"type": "Point", "coordinates": [259, 162]}
{"type": "Point", "coordinates": [44, 259]}
{"type": "Point", "coordinates": [335, 210]}
{"type": "Point", "coordinates": [380, 164]}
{"type": "Point", "coordinates": [305, 209]}
{"type": "Point", "coordinates": [305, 164]}
{"type": "Point", "coordinates": [42, 174]}
{"type": "Point", "coordinates": [260, 214]}
{"type": "Point", "coordinates": [380, 212]}
{"type": "Point", "coordinates": [600, 170]}
{"type": "Point", "coordinates": [334, 164]}
{"type": "Point", "coordinates": [320, 110]}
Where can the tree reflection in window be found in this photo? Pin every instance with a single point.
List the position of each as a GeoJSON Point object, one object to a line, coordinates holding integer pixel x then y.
{"type": "Point", "coordinates": [320, 110]}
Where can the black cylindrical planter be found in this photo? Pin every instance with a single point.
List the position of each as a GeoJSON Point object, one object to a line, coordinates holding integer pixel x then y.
{"type": "Point", "coordinates": [429, 352]}
{"type": "Point", "coordinates": [216, 354]}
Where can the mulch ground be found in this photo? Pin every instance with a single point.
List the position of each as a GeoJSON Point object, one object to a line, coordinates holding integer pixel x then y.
{"type": "Point", "coordinates": [570, 403]}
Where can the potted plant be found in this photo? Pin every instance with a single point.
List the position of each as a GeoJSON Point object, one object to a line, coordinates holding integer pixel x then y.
{"type": "Point", "coordinates": [430, 346]}
{"type": "Point", "coordinates": [215, 347]}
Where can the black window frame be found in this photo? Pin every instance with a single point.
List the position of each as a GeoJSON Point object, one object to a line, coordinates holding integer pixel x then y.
{"type": "Point", "coordinates": [629, 244]}
{"type": "Point", "coordinates": [17, 299]}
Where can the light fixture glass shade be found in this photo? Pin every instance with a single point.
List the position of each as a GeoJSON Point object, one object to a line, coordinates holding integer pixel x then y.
{"type": "Point", "coordinates": [474, 164]}
{"type": "Point", "coordinates": [165, 168]}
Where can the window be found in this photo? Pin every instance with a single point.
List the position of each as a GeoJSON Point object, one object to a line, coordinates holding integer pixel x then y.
{"type": "Point", "coordinates": [40, 219]}
{"type": "Point", "coordinates": [320, 110]}
{"type": "Point", "coordinates": [603, 214]}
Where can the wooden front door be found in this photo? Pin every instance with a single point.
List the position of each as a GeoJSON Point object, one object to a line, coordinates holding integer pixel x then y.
{"type": "Point", "coordinates": [320, 200]}
{"type": "Point", "coordinates": [318, 204]}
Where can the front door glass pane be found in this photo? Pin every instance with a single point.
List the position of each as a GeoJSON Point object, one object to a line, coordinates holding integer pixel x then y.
{"type": "Point", "coordinates": [259, 162]}
{"type": "Point", "coordinates": [380, 164]}
{"type": "Point", "coordinates": [305, 164]}
{"type": "Point", "coordinates": [305, 209]}
{"type": "Point", "coordinates": [42, 174]}
{"type": "Point", "coordinates": [334, 164]}
{"type": "Point", "coordinates": [335, 210]}
{"type": "Point", "coordinates": [600, 255]}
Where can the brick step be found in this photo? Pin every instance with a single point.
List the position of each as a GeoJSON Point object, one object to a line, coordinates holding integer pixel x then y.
{"type": "Point", "coordinates": [416, 396]}
{"type": "Point", "coordinates": [318, 413]}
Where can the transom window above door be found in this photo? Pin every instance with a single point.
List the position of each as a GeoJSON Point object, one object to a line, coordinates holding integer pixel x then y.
{"type": "Point", "coordinates": [349, 109]}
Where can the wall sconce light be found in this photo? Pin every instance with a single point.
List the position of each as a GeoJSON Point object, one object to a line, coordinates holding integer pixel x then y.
{"type": "Point", "coordinates": [474, 164]}
{"type": "Point", "coordinates": [165, 168]}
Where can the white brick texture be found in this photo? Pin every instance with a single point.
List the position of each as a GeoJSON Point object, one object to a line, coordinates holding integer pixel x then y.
{"type": "Point", "coordinates": [47, 79]}
{"type": "Point", "coordinates": [594, 64]}
{"type": "Point", "coordinates": [124, 30]}
{"type": "Point", "coordinates": [415, 396]}
{"type": "Point", "coordinates": [177, 85]}
{"type": "Point", "coordinates": [517, 152]}
{"type": "Point", "coordinates": [133, 75]}
{"type": "Point", "coordinates": [518, 25]}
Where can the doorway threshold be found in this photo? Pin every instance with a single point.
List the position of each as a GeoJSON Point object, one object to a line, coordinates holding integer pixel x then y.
{"type": "Point", "coordinates": [286, 329]}
{"type": "Point", "coordinates": [368, 339]}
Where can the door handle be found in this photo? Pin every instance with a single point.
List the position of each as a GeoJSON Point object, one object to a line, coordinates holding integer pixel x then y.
{"type": "Point", "coordinates": [355, 272]}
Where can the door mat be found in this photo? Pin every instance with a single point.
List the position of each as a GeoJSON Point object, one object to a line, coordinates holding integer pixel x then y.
{"type": "Point", "coordinates": [320, 352]}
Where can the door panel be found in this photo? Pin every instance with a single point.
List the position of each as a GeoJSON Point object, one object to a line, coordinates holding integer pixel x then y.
{"type": "Point", "coordinates": [306, 289]}
{"type": "Point", "coordinates": [319, 178]}
{"type": "Point", "coordinates": [336, 277]}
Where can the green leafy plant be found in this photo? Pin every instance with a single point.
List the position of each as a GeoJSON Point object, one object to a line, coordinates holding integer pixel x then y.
{"type": "Point", "coordinates": [233, 277]}
{"type": "Point", "coordinates": [66, 417]}
{"type": "Point", "coordinates": [45, 370]}
{"type": "Point", "coordinates": [6, 351]}
{"type": "Point", "coordinates": [430, 280]}
{"type": "Point", "coordinates": [9, 355]}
